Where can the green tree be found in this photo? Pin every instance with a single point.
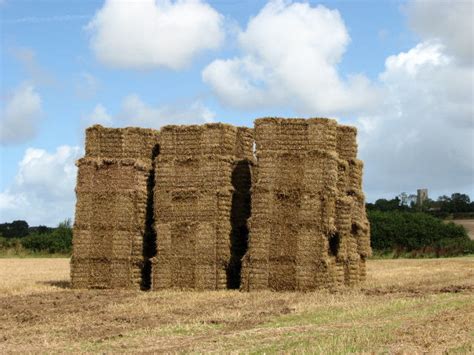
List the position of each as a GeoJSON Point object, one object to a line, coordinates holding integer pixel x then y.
{"type": "Point", "coordinates": [15, 229]}
{"type": "Point", "coordinates": [58, 241]}
{"type": "Point", "coordinates": [417, 232]}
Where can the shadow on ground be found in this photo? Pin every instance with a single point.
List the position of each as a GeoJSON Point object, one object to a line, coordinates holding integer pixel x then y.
{"type": "Point", "coordinates": [65, 284]}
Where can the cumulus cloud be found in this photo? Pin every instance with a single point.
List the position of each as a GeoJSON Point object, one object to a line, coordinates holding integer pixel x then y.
{"type": "Point", "coordinates": [135, 112]}
{"type": "Point", "coordinates": [290, 53]}
{"type": "Point", "coordinates": [20, 115]}
{"type": "Point", "coordinates": [450, 22]}
{"type": "Point", "coordinates": [43, 188]}
{"type": "Point", "coordinates": [154, 33]}
{"type": "Point", "coordinates": [425, 137]}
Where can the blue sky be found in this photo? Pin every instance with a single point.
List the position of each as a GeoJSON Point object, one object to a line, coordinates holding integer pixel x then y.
{"type": "Point", "coordinates": [401, 71]}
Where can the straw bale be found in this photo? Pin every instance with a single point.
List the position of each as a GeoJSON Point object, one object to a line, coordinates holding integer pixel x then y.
{"type": "Point", "coordinates": [189, 255]}
{"type": "Point", "coordinates": [342, 176]}
{"type": "Point", "coordinates": [255, 274]}
{"type": "Point", "coordinates": [192, 204]}
{"type": "Point", "coordinates": [103, 243]}
{"type": "Point", "coordinates": [346, 142]}
{"type": "Point", "coordinates": [106, 273]}
{"type": "Point", "coordinates": [344, 214]}
{"type": "Point", "coordinates": [287, 135]}
{"type": "Point", "coordinates": [121, 143]}
{"type": "Point", "coordinates": [336, 272]}
{"type": "Point", "coordinates": [201, 172]}
{"type": "Point", "coordinates": [351, 272]}
{"type": "Point", "coordinates": [322, 273]}
{"type": "Point", "coordinates": [320, 170]}
{"type": "Point", "coordinates": [209, 139]}
{"type": "Point", "coordinates": [282, 276]}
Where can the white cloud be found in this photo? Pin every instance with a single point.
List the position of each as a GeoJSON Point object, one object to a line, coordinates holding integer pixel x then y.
{"type": "Point", "coordinates": [450, 22]}
{"type": "Point", "coordinates": [20, 115]}
{"type": "Point", "coordinates": [290, 53]}
{"type": "Point", "coordinates": [422, 56]}
{"type": "Point", "coordinates": [43, 189]}
{"type": "Point", "coordinates": [154, 33]}
{"type": "Point", "coordinates": [425, 138]}
{"type": "Point", "coordinates": [136, 112]}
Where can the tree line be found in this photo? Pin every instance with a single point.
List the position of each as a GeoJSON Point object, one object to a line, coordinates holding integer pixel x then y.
{"type": "Point", "coordinates": [457, 205]}
{"type": "Point", "coordinates": [20, 237]}
{"type": "Point", "coordinates": [400, 227]}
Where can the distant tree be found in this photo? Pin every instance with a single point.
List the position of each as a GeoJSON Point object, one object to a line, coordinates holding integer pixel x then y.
{"type": "Point", "coordinates": [460, 202]}
{"type": "Point", "coordinates": [417, 231]}
{"type": "Point", "coordinates": [40, 230]}
{"type": "Point", "coordinates": [387, 205]}
{"type": "Point", "coordinates": [67, 223]}
{"type": "Point", "coordinates": [58, 241]}
{"type": "Point", "coordinates": [15, 229]}
{"type": "Point", "coordinates": [457, 203]}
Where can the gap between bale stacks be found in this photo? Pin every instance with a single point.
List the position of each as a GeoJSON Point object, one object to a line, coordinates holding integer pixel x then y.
{"type": "Point", "coordinates": [174, 208]}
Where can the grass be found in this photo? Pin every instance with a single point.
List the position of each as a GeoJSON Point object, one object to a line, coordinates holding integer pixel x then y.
{"type": "Point", "coordinates": [24, 253]}
{"type": "Point", "coordinates": [406, 305]}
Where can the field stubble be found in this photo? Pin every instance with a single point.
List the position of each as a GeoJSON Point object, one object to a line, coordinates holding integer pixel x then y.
{"type": "Point", "coordinates": [405, 306]}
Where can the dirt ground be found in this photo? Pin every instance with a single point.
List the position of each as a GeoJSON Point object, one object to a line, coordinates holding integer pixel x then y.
{"type": "Point", "coordinates": [405, 306]}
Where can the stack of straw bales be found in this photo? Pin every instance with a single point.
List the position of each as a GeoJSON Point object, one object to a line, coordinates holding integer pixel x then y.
{"type": "Point", "coordinates": [113, 208]}
{"type": "Point", "coordinates": [354, 232]}
{"type": "Point", "coordinates": [201, 205]}
{"type": "Point", "coordinates": [301, 231]}
{"type": "Point", "coordinates": [169, 209]}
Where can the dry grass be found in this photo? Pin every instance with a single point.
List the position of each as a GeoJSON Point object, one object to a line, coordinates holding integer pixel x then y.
{"type": "Point", "coordinates": [466, 223]}
{"type": "Point", "coordinates": [405, 306]}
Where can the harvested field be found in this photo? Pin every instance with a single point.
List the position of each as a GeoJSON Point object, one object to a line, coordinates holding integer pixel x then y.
{"type": "Point", "coordinates": [466, 223]}
{"type": "Point", "coordinates": [404, 306]}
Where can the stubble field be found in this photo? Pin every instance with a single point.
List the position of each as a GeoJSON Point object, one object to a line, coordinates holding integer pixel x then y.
{"type": "Point", "coordinates": [468, 224]}
{"type": "Point", "coordinates": [405, 306]}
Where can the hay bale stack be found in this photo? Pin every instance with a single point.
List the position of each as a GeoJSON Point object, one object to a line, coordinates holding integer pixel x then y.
{"type": "Point", "coordinates": [201, 204]}
{"type": "Point", "coordinates": [112, 222]}
{"type": "Point", "coordinates": [357, 240]}
{"type": "Point", "coordinates": [171, 209]}
{"type": "Point", "coordinates": [293, 205]}
{"type": "Point", "coordinates": [303, 207]}
{"type": "Point", "coordinates": [122, 143]}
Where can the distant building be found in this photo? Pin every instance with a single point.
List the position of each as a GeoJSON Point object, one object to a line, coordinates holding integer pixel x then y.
{"type": "Point", "coordinates": [421, 196]}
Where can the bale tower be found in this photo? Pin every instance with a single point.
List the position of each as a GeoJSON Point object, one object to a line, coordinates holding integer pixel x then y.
{"type": "Point", "coordinates": [215, 206]}
{"type": "Point", "coordinates": [202, 177]}
{"type": "Point", "coordinates": [112, 223]}
{"type": "Point", "coordinates": [308, 225]}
